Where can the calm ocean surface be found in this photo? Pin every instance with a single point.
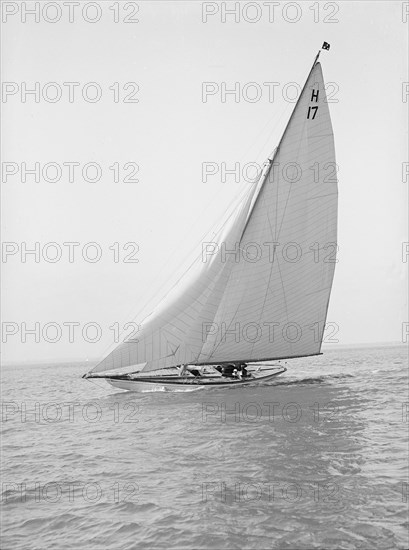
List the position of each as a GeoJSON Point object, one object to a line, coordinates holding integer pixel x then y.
{"type": "Point", "coordinates": [316, 459]}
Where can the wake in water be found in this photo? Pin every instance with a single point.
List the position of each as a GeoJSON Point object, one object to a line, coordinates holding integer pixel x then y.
{"type": "Point", "coordinates": [306, 381]}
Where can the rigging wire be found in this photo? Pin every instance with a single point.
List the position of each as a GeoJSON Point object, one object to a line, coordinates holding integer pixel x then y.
{"type": "Point", "coordinates": [236, 199]}
{"type": "Point", "coordinates": [158, 303]}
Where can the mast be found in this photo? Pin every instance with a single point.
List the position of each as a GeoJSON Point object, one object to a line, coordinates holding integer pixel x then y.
{"type": "Point", "coordinates": [191, 325]}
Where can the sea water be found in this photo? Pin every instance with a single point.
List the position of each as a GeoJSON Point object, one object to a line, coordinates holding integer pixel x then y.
{"type": "Point", "coordinates": [315, 459]}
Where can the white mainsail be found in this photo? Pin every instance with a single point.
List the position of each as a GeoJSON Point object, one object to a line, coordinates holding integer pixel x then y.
{"type": "Point", "coordinates": [263, 291]}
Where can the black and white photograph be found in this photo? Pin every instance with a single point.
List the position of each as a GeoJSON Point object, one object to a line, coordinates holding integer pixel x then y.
{"type": "Point", "coordinates": [204, 275]}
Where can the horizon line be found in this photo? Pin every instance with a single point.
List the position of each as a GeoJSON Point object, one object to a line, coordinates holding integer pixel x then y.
{"type": "Point", "coordinates": [325, 347]}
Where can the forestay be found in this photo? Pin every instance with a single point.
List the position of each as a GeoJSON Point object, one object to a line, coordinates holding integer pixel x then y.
{"type": "Point", "coordinates": [263, 291]}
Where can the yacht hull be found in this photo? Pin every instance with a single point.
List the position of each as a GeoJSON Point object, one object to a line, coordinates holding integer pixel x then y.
{"type": "Point", "coordinates": [190, 383]}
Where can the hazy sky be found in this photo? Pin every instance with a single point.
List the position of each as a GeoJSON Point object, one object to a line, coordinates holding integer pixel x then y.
{"type": "Point", "coordinates": [165, 60]}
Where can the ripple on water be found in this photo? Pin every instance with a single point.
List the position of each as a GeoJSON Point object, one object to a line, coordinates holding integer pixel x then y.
{"type": "Point", "coordinates": [316, 459]}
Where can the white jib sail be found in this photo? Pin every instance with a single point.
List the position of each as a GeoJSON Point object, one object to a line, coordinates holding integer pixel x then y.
{"type": "Point", "coordinates": [261, 289]}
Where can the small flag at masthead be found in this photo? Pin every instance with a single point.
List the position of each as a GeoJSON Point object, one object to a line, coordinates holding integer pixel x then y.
{"type": "Point", "coordinates": [325, 46]}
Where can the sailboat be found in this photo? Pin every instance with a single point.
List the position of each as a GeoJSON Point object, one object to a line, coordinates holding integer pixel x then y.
{"type": "Point", "coordinates": [261, 294]}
